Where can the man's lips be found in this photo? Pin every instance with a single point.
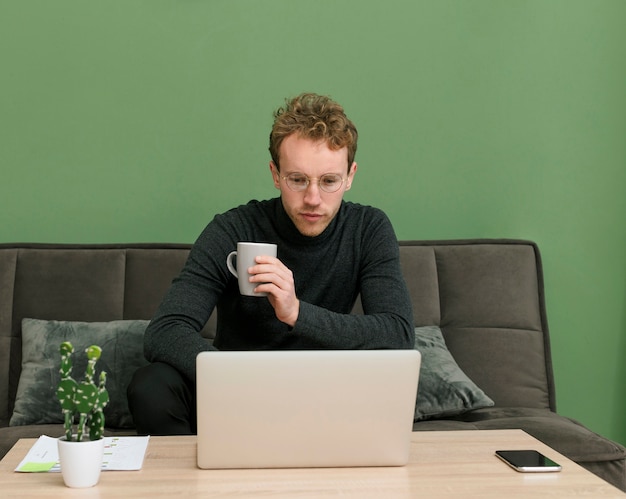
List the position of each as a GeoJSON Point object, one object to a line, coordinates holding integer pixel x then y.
{"type": "Point", "coordinates": [311, 217]}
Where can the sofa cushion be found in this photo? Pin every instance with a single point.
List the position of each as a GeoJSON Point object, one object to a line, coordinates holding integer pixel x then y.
{"type": "Point", "coordinates": [122, 355]}
{"type": "Point", "coordinates": [444, 390]}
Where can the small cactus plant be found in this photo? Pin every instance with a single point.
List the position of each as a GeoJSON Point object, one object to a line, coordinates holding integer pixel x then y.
{"type": "Point", "coordinates": [85, 399]}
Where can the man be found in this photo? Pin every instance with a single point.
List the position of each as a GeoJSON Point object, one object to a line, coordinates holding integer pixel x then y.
{"type": "Point", "coordinates": [329, 252]}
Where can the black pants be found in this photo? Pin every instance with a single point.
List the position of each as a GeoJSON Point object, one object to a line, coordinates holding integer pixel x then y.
{"type": "Point", "coordinates": [162, 401]}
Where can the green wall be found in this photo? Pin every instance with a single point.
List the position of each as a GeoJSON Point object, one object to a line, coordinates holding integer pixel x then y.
{"type": "Point", "coordinates": [132, 121]}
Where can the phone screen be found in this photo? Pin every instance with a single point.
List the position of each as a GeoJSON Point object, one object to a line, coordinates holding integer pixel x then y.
{"type": "Point", "coordinates": [528, 460]}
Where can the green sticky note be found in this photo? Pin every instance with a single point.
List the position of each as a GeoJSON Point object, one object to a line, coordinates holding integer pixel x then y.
{"type": "Point", "coordinates": [37, 467]}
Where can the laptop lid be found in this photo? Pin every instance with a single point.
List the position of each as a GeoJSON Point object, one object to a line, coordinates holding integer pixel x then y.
{"type": "Point", "coordinates": [313, 408]}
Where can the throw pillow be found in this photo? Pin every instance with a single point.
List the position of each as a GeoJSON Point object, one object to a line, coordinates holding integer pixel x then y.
{"type": "Point", "coordinates": [444, 389]}
{"type": "Point", "coordinates": [122, 354]}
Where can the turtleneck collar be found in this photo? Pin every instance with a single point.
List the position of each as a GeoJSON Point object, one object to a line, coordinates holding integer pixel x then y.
{"type": "Point", "coordinates": [287, 229]}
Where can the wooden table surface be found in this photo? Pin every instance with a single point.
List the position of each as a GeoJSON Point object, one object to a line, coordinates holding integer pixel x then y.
{"type": "Point", "coordinates": [459, 464]}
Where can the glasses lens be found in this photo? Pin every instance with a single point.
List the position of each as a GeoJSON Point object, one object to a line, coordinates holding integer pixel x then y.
{"type": "Point", "coordinates": [330, 182]}
{"type": "Point", "coordinates": [297, 181]}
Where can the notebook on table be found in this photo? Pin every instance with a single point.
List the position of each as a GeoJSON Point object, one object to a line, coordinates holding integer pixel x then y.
{"type": "Point", "coordinates": [301, 409]}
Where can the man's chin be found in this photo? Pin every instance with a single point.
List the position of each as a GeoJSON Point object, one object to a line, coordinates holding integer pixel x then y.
{"type": "Point", "coordinates": [311, 230]}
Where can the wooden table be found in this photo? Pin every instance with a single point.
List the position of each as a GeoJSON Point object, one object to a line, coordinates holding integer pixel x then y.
{"type": "Point", "coordinates": [458, 464]}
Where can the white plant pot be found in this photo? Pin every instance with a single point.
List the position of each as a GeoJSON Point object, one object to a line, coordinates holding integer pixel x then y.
{"type": "Point", "coordinates": [80, 462]}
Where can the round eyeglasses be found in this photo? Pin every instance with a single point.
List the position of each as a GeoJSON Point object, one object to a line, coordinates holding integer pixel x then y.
{"type": "Point", "coordinates": [329, 182]}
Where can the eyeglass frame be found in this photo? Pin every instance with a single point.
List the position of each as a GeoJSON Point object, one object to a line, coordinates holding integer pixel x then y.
{"type": "Point", "coordinates": [309, 179]}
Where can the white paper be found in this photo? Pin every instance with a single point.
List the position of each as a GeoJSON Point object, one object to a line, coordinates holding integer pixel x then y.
{"type": "Point", "coordinates": [120, 453]}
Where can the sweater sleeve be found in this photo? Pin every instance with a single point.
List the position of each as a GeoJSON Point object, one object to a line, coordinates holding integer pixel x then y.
{"type": "Point", "coordinates": [173, 336]}
{"type": "Point", "coordinates": [387, 321]}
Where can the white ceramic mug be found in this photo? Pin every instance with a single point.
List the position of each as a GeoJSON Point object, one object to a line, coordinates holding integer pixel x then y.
{"type": "Point", "coordinates": [246, 254]}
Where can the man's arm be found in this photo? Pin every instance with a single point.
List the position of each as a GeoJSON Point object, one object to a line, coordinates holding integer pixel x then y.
{"type": "Point", "coordinates": [173, 336]}
{"type": "Point", "coordinates": [388, 319]}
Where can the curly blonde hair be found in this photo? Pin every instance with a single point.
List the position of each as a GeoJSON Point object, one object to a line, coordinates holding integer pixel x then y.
{"type": "Point", "coordinates": [314, 117]}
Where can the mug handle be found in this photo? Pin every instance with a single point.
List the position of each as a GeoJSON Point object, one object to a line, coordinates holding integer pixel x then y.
{"type": "Point", "coordinates": [229, 263]}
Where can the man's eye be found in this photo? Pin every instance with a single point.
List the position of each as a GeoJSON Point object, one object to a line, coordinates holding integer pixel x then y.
{"type": "Point", "coordinates": [330, 180]}
{"type": "Point", "coordinates": [298, 179]}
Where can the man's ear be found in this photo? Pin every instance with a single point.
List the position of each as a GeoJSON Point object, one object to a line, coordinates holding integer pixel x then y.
{"type": "Point", "coordinates": [275, 174]}
{"type": "Point", "coordinates": [351, 173]}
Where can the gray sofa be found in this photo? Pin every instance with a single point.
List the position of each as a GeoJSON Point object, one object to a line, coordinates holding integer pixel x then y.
{"type": "Point", "coordinates": [486, 296]}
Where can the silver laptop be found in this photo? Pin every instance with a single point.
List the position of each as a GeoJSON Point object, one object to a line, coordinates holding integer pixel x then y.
{"type": "Point", "coordinates": [306, 409]}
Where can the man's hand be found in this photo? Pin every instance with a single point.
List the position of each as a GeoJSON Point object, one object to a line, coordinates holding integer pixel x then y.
{"type": "Point", "coordinates": [277, 280]}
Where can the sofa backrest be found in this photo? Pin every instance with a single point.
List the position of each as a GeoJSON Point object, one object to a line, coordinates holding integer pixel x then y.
{"type": "Point", "coordinates": [486, 295]}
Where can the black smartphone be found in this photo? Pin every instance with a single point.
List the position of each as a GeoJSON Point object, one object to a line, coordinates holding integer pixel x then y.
{"type": "Point", "coordinates": [528, 461]}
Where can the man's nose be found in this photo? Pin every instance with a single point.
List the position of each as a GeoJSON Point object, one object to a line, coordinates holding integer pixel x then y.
{"type": "Point", "coordinates": [312, 193]}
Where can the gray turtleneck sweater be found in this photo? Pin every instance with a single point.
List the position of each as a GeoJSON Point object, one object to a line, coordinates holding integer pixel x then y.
{"type": "Point", "coordinates": [356, 254]}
